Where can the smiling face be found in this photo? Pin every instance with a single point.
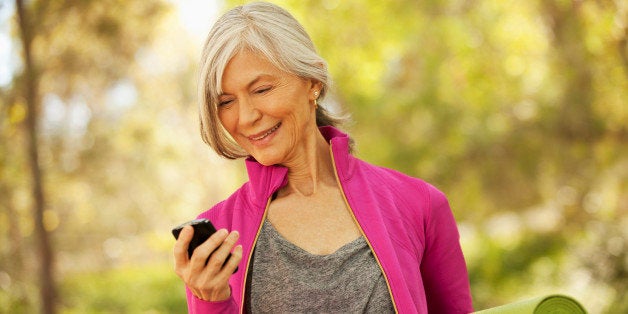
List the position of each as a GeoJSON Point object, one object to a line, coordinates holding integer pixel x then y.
{"type": "Point", "coordinates": [268, 112]}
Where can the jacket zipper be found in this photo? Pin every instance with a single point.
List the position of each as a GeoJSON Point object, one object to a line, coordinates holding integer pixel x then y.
{"type": "Point", "coordinates": [344, 197]}
{"type": "Point", "coordinates": [248, 262]}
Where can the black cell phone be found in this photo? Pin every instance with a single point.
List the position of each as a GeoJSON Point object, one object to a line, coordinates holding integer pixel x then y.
{"type": "Point", "coordinates": [203, 229]}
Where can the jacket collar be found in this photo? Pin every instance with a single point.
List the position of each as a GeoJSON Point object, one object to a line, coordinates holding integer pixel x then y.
{"type": "Point", "coordinates": [265, 180]}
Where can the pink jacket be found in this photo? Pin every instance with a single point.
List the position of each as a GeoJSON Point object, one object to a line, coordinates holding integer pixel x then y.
{"type": "Point", "coordinates": [406, 221]}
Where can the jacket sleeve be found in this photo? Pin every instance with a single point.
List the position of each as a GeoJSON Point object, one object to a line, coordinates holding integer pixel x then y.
{"type": "Point", "coordinates": [198, 306]}
{"type": "Point", "coordinates": [443, 268]}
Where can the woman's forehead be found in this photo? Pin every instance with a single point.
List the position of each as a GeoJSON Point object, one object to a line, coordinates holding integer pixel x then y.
{"type": "Point", "coordinates": [248, 67]}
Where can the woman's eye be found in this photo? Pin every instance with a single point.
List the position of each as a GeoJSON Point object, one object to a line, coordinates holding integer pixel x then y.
{"type": "Point", "coordinates": [262, 90]}
{"type": "Point", "coordinates": [224, 103]}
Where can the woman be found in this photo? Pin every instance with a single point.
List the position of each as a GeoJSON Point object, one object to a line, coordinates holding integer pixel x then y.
{"type": "Point", "coordinates": [314, 229]}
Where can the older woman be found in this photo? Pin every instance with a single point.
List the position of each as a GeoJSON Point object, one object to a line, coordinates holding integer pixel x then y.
{"type": "Point", "coordinates": [314, 229]}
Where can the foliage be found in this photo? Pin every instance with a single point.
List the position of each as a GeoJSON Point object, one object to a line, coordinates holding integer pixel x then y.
{"type": "Point", "coordinates": [133, 289]}
{"type": "Point", "coordinates": [515, 109]}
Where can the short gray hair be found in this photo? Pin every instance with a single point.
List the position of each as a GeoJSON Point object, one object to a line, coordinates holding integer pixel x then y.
{"type": "Point", "coordinates": [274, 33]}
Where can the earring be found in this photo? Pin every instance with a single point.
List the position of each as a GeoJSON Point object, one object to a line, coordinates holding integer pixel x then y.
{"type": "Point", "coordinates": [316, 99]}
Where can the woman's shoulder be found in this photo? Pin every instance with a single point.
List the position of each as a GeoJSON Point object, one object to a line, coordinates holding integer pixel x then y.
{"type": "Point", "coordinates": [406, 190]}
{"type": "Point", "coordinates": [399, 183]}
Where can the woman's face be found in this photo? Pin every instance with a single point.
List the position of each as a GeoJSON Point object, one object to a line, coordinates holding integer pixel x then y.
{"type": "Point", "coordinates": [270, 113]}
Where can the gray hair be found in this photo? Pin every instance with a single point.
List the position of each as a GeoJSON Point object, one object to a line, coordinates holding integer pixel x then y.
{"type": "Point", "coordinates": [272, 32]}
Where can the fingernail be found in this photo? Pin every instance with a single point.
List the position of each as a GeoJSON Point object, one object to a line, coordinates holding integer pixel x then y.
{"type": "Point", "coordinates": [235, 233]}
{"type": "Point", "coordinates": [223, 232]}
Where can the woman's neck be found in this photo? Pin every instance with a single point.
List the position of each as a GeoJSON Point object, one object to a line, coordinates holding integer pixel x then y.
{"type": "Point", "coordinates": [312, 168]}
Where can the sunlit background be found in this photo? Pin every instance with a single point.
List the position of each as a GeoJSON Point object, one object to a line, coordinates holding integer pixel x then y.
{"type": "Point", "coordinates": [517, 110]}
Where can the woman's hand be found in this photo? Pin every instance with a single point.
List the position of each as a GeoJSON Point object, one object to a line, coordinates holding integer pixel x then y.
{"type": "Point", "coordinates": [209, 281]}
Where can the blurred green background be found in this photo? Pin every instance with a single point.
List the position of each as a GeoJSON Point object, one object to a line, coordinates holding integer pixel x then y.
{"type": "Point", "coordinates": [517, 110]}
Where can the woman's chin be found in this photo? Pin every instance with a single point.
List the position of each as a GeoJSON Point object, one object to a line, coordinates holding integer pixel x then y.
{"type": "Point", "coordinates": [267, 159]}
{"type": "Point", "coordinates": [264, 161]}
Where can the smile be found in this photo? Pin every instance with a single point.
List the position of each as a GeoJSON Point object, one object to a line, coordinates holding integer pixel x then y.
{"type": "Point", "coordinates": [261, 136]}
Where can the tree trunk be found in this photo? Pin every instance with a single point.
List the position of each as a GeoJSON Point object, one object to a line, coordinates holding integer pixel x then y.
{"type": "Point", "coordinates": [47, 286]}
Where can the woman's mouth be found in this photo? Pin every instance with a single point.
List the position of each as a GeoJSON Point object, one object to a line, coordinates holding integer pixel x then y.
{"type": "Point", "coordinates": [261, 136]}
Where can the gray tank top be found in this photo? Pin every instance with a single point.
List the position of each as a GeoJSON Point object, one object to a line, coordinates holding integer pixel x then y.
{"type": "Point", "coordinates": [287, 279]}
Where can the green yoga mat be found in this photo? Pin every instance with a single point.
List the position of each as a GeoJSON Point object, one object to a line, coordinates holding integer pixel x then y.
{"type": "Point", "coordinates": [551, 304]}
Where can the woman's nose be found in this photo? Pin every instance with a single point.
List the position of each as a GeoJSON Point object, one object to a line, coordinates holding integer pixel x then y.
{"type": "Point", "coordinates": [248, 112]}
